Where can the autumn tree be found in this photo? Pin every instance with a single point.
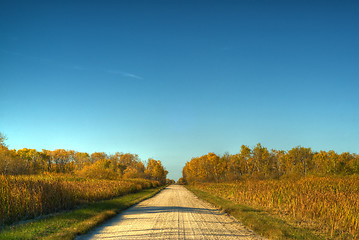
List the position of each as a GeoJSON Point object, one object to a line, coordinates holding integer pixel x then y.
{"type": "Point", "coordinates": [260, 160]}
{"type": "Point", "coordinates": [33, 160]}
{"type": "Point", "coordinates": [96, 165]}
{"type": "Point", "coordinates": [279, 163]}
{"type": "Point", "coordinates": [244, 158]}
{"type": "Point", "coordinates": [301, 159]}
{"type": "Point", "coordinates": [194, 170]}
{"type": "Point", "coordinates": [181, 181]}
{"type": "Point", "coordinates": [215, 167]}
{"type": "Point", "coordinates": [127, 160]}
{"type": "Point", "coordinates": [82, 159]}
{"type": "Point", "coordinates": [353, 164]}
{"type": "Point", "coordinates": [101, 169]}
{"type": "Point", "coordinates": [345, 161]}
{"type": "Point", "coordinates": [261, 163]}
{"type": "Point", "coordinates": [48, 159]}
{"type": "Point", "coordinates": [234, 171]}
{"type": "Point", "coordinates": [155, 171]}
{"type": "Point", "coordinates": [98, 156]}
{"type": "Point", "coordinates": [135, 170]}
{"type": "Point", "coordinates": [10, 162]}
{"type": "Point", "coordinates": [2, 139]}
{"type": "Point", "coordinates": [63, 159]}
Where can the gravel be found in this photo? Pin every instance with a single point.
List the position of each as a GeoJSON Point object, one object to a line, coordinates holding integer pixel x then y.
{"type": "Point", "coordinates": [174, 213]}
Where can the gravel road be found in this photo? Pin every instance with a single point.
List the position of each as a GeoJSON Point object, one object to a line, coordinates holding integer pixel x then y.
{"type": "Point", "coordinates": [174, 213]}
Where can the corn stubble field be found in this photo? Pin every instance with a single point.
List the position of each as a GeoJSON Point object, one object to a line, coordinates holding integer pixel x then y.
{"type": "Point", "coordinates": [330, 203]}
{"type": "Point", "coordinates": [27, 197]}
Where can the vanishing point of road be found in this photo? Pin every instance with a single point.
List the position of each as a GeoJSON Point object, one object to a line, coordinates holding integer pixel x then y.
{"type": "Point", "coordinates": [174, 213]}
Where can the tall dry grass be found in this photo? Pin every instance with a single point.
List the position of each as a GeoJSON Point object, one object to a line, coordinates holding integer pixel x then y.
{"type": "Point", "coordinates": [26, 197]}
{"type": "Point", "coordinates": [332, 203]}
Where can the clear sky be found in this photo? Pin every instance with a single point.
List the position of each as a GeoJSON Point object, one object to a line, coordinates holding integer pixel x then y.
{"type": "Point", "coordinates": [174, 79]}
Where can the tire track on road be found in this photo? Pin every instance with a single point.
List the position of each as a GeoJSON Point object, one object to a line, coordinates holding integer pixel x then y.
{"type": "Point", "coordinates": [174, 213]}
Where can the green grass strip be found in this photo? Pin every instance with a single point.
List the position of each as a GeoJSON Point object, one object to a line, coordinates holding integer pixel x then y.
{"type": "Point", "coordinates": [258, 220]}
{"type": "Point", "coordinates": [76, 222]}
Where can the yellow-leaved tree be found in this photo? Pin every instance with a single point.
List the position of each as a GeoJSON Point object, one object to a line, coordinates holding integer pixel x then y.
{"type": "Point", "coordinates": [101, 169]}
{"type": "Point", "coordinates": [155, 171]}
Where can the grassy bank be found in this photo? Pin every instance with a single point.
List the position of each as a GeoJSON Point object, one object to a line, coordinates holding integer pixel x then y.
{"type": "Point", "coordinates": [69, 224]}
{"type": "Point", "coordinates": [256, 219]}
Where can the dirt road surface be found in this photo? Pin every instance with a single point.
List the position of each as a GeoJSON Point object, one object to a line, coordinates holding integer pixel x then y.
{"type": "Point", "coordinates": [174, 213]}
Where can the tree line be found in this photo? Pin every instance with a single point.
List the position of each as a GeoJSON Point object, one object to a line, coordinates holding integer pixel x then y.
{"type": "Point", "coordinates": [96, 165]}
{"type": "Point", "coordinates": [261, 163]}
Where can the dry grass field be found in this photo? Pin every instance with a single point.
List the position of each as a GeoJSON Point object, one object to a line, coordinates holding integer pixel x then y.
{"type": "Point", "coordinates": [26, 197]}
{"type": "Point", "coordinates": [330, 204]}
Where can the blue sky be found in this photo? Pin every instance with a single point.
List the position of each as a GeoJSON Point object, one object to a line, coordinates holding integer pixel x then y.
{"type": "Point", "coordinates": [173, 80]}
